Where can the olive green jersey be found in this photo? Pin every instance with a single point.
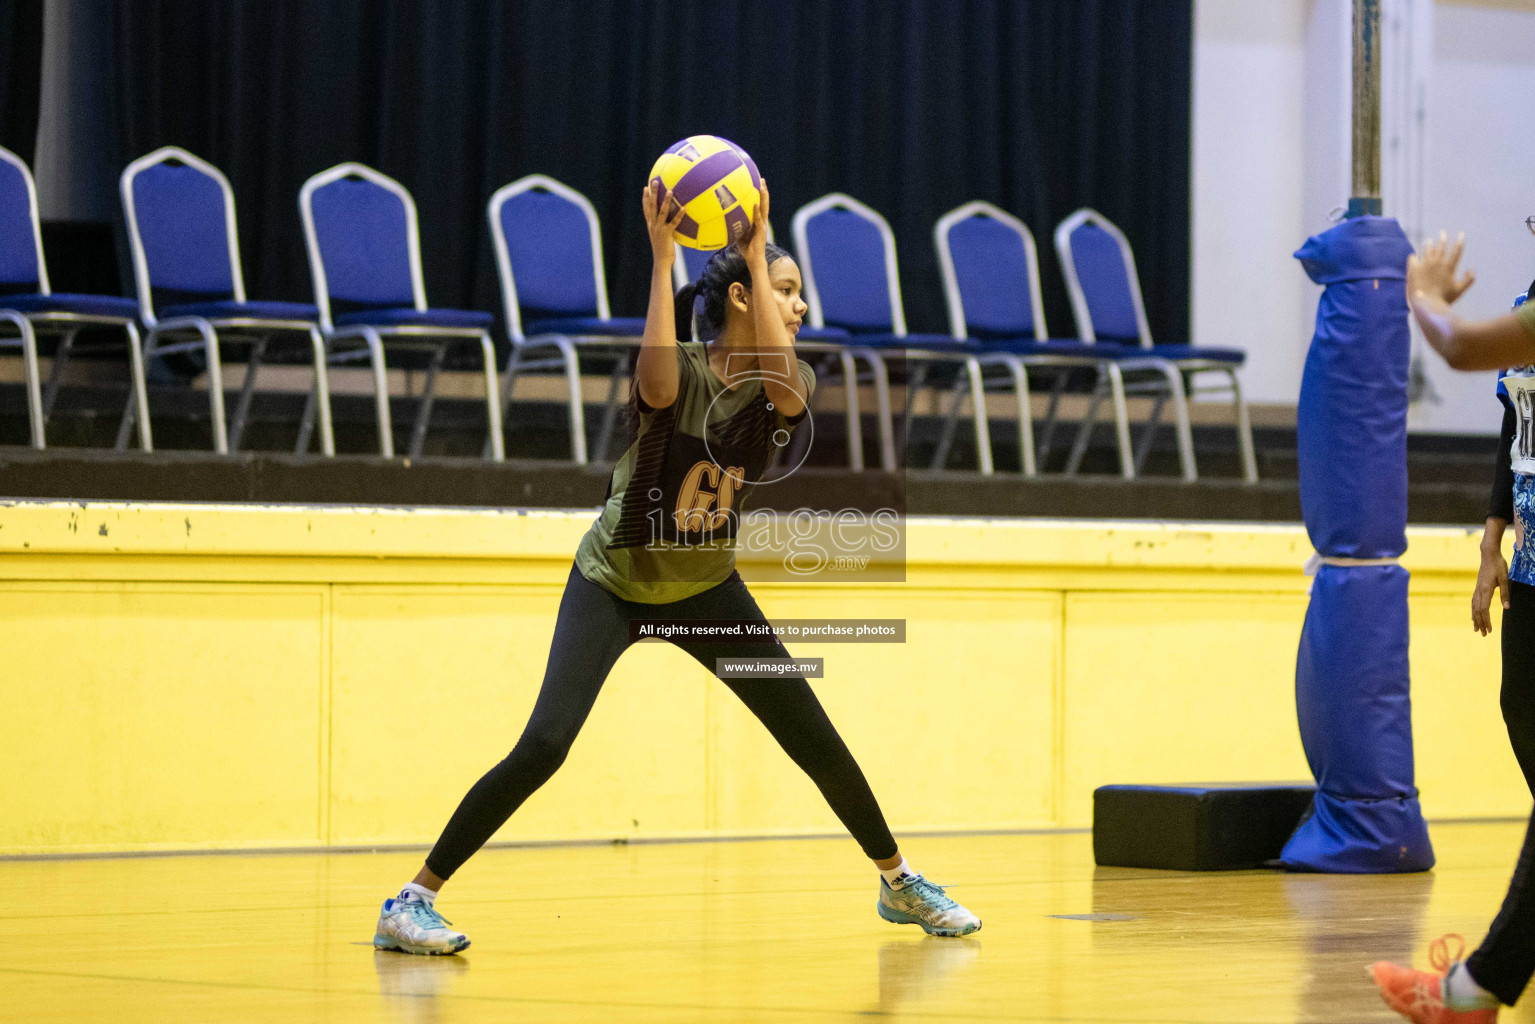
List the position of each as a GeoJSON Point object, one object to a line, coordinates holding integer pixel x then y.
{"type": "Point", "coordinates": [667, 529]}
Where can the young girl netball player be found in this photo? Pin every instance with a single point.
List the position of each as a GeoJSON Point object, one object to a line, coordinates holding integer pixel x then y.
{"type": "Point", "coordinates": [710, 414]}
{"type": "Point", "coordinates": [1470, 991]}
{"type": "Point", "coordinates": [1513, 485]}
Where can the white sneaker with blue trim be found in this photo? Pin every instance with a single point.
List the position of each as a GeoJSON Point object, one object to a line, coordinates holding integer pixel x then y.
{"type": "Point", "coordinates": [917, 901]}
{"type": "Point", "coordinates": [410, 924]}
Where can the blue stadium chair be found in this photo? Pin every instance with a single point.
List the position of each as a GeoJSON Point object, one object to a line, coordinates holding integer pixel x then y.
{"type": "Point", "coordinates": [365, 258]}
{"type": "Point", "coordinates": [1106, 300]}
{"type": "Point", "coordinates": [990, 271]}
{"type": "Point", "coordinates": [549, 254]}
{"type": "Point", "coordinates": [847, 256]}
{"type": "Point", "coordinates": [186, 267]}
{"type": "Point", "coordinates": [28, 304]}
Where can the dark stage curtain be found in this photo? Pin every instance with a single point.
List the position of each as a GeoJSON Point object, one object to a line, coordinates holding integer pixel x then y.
{"type": "Point", "coordinates": [21, 74]}
{"type": "Point", "coordinates": [913, 106]}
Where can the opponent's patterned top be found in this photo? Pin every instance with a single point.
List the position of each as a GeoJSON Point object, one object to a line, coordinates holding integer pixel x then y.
{"type": "Point", "coordinates": [667, 530]}
{"type": "Point", "coordinates": [1517, 387]}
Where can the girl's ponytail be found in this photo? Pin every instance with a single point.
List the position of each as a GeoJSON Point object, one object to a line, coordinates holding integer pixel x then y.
{"type": "Point", "coordinates": [707, 295]}
{"type": "Point", "coordinates": [684, 311]}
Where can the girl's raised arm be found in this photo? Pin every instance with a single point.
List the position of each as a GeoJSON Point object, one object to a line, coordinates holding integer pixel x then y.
{"type": "Point", "coordinates": [1433, 287]}
{"type": "Point", "coordinates": [656, 372]}
{"type": "Point", "coordinates": [774, 345]}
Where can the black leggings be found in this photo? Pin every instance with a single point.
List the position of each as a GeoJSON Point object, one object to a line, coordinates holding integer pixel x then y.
{"type": "Point", "coordinates": [1504, 961]}
{"type": "Point", "coordinates": [591, 632]}
{"type": "Point", "coordinates": [1518, 696]}
{"type": "Point", "coordinates": [1506, 958]}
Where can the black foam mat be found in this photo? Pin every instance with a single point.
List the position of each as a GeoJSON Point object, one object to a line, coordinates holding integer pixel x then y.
{"type": "Point", "coordinates": [1196, 827]}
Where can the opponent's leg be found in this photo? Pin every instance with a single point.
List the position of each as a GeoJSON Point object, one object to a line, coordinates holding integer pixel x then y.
{"type": "Point", "coordinates": [792, 714]}
{"type": "Point", "coordinates": [1469, 991]}
{"type": "Point", "coordinates": [1506, 958]}
{"type": "Point", "coordinates": [1518, 690]}
{"type": "Point", "coordinates": [590, 633]}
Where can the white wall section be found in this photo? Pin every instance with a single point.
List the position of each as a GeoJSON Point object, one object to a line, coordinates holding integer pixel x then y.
{"type": "Point", "coordinates": [1270, 158]}
{"type": "Point", "coordinates": [1248, 134]}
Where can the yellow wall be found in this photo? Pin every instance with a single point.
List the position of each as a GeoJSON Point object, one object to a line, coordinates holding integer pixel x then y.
{"type": "Point", "coordinates": [197, 676]}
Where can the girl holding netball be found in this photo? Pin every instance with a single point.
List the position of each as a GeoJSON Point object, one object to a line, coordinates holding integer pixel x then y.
{"type": "Point", "coordinates": [709, 416]}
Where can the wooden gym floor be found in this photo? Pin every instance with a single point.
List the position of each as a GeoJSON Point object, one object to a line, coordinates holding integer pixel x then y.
{"type": "Point", "coordinates": [747, 931]}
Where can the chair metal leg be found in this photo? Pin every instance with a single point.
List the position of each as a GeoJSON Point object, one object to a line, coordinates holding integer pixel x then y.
{"type": "Point", "coordinates": [306, 421]}
{"type": "Point", "coordinates": [508, 385]}
{"type": "Point", "coordinates": [982, 423]}
{"type": "Point", "coordinates": [247, 392]}
{"type": "Point", "coordinates": [854, 420]}
{"type": "Point", "coordinates": [56, 374]}
{"type": "Point", "coordinates": [1244, 431]}
{"type": "Point", "coordinates": [492, 400]}
{"type": "Point", "coordinates": [137, 406]}
{"type": "Point", "coordinates": [313, 410]}
{"type": "Point", "coordinates": [1181, 422]}
{"type": "Point", "coordinates": [916, 376]}
{"type": "Point", "coordinates": [140, 389]}
{"type": "Point", "coordinates": [972, 377]}
{"type": "Point", "coordinates": [319, 396]}
{"type": "Point", "coordinates": [208, 342]}
{"type": "Point", "coordinates": [1020, 377]}
{"type": "Point", "coordinates": [1085, 430]}
{"type": "Point", "coordinates": [1112, 384]}
{"type": "Point", "coordinates": [30, 369]}
{"type": "Point", "coordinates": [1152, 422]}
{"type": "Point", "coordinates": [946, 434]}
{"type": "Point", "coordinates": [380, 391]}
{"type": "Point", "coordinates": [577, 408]}
{"type": "Point", "coordinates": [428, 396]}
{"type": "Point", "coordinates": [215, 386]}
{"type": "Point", "coordinates": [610, 416]}
{"type": "Point", "coordinates": [125, 426]}
{"type": "Point", "coordinates": [1121, 420]}
{"type": "Point", "coordinates": [914, 381]}
{"type": "Point", "coordinates": [1052, 411]}
{"type": "Point", "coordinates": [882, 408]}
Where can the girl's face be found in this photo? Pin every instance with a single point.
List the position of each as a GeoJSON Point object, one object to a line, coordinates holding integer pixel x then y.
{"type": "Point", "coordinates": [784, 275]}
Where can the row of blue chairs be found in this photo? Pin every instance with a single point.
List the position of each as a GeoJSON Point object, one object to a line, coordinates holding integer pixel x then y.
{"type": "Point", "coordinates": [362, 238]}
{"type": "Point", "coordinates": [998, 333]}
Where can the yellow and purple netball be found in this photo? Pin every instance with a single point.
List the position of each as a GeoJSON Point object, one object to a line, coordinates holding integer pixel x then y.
{"type": "Point", "coordinates": [717, 185]}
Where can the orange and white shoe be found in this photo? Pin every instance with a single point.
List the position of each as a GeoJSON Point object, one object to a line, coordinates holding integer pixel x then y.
{"type": "Point", "coordinates": [1417, 996]}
